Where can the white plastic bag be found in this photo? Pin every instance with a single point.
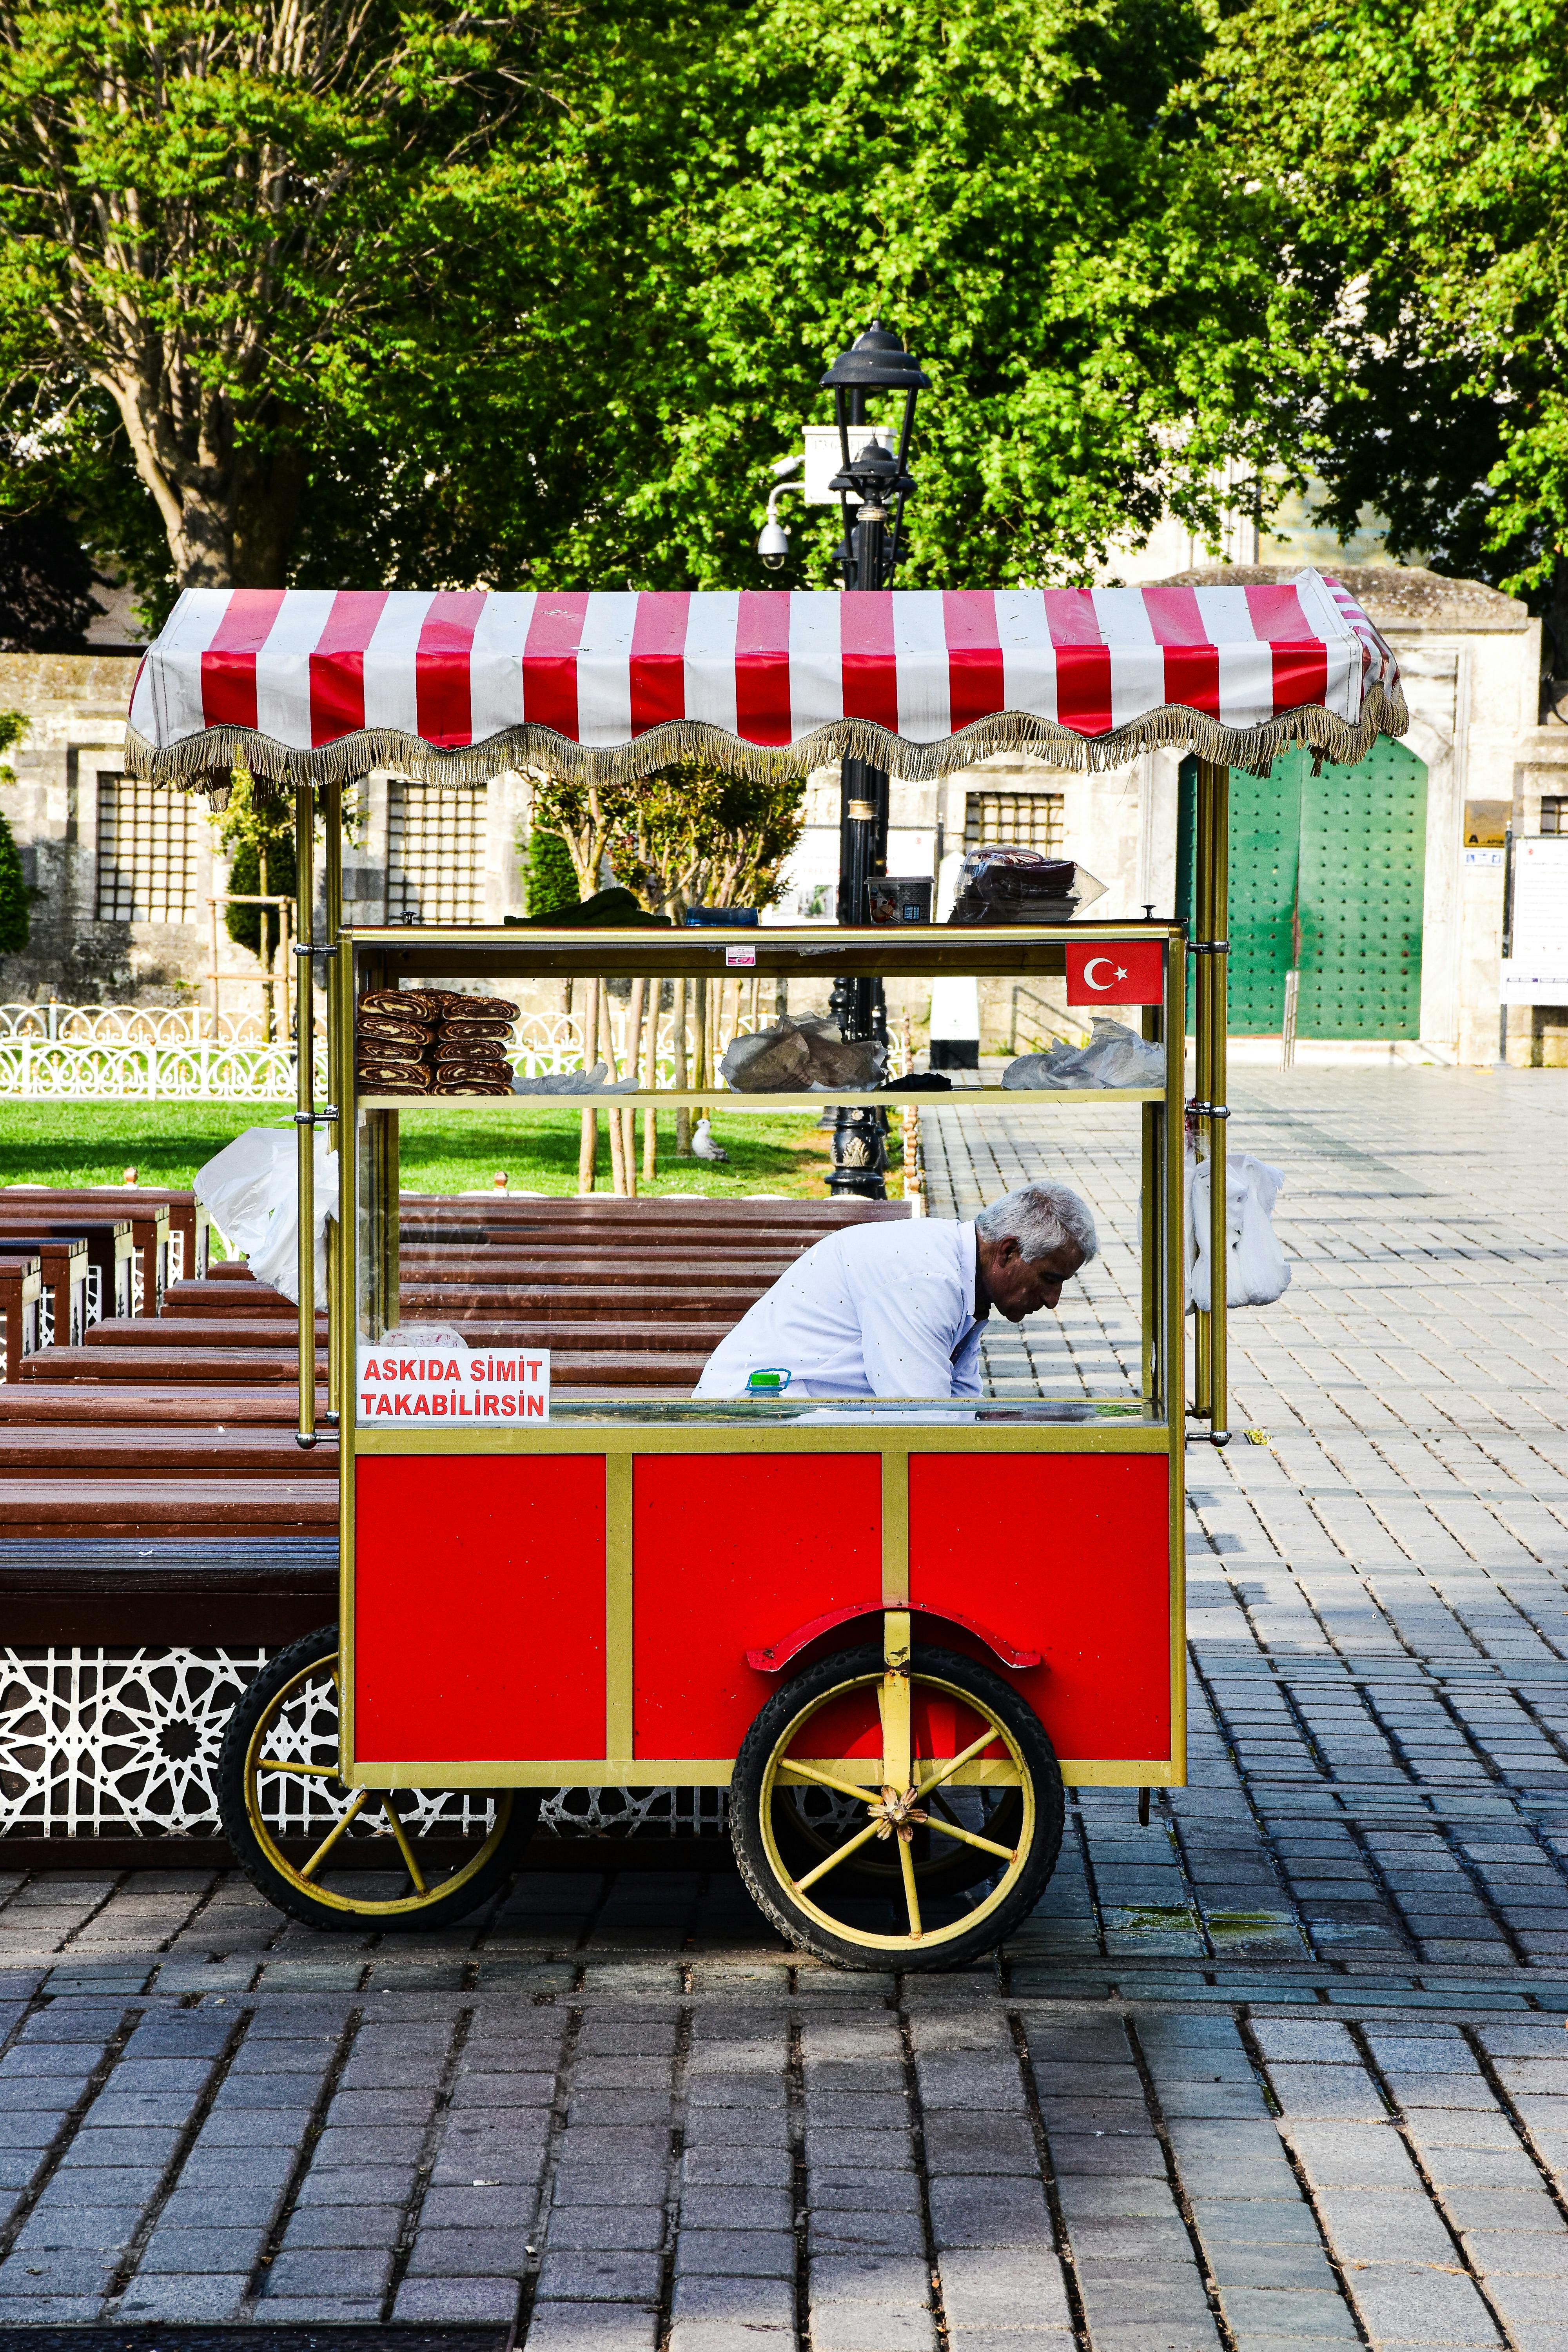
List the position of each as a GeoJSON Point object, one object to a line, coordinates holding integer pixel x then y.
{"type": "Point", "coordinates": [1115, 1055]}
{"type": "Point", "coordinates": [1261, 1263]}
{"type": "Point", "coordinates": [251, 1191]}
{"type": "Point", "coordinates": [1256, 1272]}
{"type": "Point", "coordinates": [595, 1081]}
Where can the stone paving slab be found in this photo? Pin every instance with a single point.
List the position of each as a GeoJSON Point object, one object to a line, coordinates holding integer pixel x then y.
{"type": "Point", "coordinates": [1286, 2068]}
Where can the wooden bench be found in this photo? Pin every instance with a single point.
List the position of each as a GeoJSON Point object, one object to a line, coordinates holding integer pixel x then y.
{"type": "Point", "coordinates": [64, 1264]}
{"type": "Point", "coordinates": [110, 1251]}
{"type": "Point", "coordinates": [189, 1245]}
{"type": "Point", "coordinates": [21, 1287]}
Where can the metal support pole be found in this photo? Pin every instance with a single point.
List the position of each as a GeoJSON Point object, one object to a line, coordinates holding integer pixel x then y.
{"type": "Point", "coordinates": [859, 1145]}
{"type": "Point", "coordinates": [1153, 1270]}
{"type": "Point", "coordinates": [337, 1091]}
{"type": "Point", "coordinates": [1214, 852]}
{"type": "Point", "coordinates": [305, 1111]}
{"type": "Point", "coordinates": [1507, 934]}
{"type": "Point", "coordinates": [1202, 929]}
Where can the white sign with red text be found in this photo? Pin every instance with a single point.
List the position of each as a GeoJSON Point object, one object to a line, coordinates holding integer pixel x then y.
{"type": "Point", "coordinates": [444, 1384]}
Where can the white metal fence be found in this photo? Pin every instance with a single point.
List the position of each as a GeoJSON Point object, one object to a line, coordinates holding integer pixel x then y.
{"type": "Point", "coordinates": [127, 1053]}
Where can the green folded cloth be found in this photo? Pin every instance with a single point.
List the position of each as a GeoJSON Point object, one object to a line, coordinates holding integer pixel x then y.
{"type": "Point", "coordinates": [616, 908]}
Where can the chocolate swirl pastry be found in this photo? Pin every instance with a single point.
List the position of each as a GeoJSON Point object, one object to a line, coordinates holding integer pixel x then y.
{"type": "Point", "coordinates": [472, 1086]}
{"type": "Point", "coordinates": [382, 1025]}
{"type": "Point", "coordinates": [391, 1049]}
{"type": "Point", "coordinates": [463, 1066]}
{"type": "Point", "coordinates": [465, 1029]}
{"type": "Point", "coordinates": [470, 1049]}
{"type": "Point", "coordinates": [379, 1077]}
{"type": "Point", "coordinates": [480, 1008]}
{"type": "Point", "coordinates": [405, 1003]}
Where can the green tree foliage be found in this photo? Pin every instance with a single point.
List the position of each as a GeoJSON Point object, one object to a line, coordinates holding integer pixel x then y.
{"type": "Point", "coordinates": [689, 835]}
{"type": "Point", "coordinates": [15, 899]}
{"type": "Point", "coordinates": [994, 178]}
{"type": "Point", "coordinates": [1407, 169]}
{"type": "Point", "coordinates": [45, 586]}
{"type": "Point", "coordinates": [532, 295]}
{"type": "Point", "coordinates": [261, 229]}
{"type": "Point", "coordinates": [15, 896]}
{"type": "Point", "coordinates": [258, 838]}
{"type": "Point", "coordinates": [549, 881]}
{"type": "Point", "coordinates": [686, 836]}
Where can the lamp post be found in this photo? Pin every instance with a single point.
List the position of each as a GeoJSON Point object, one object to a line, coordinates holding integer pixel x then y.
{"type": "Point", "coordinates": [877, 480]}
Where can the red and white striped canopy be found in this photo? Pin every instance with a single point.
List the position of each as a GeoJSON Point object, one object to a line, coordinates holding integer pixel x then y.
{"type": "Point", "coordinates": [308, 684]}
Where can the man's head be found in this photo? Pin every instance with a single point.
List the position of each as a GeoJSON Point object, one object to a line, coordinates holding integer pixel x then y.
{"type": "Point", "coordinates": [1029, 1244]}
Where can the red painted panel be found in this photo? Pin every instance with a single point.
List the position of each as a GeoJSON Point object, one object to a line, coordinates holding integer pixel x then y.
{"type": "Point", "coordinates": [1068, 1554]}
{"type": "Point", "coordinates": [733, 1550]}
{"type": "Point", "coordinates": [479, 1607]}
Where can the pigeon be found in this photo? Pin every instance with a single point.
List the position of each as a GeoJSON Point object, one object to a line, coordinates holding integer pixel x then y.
{"type": "Point", "coordinates": [703, 1144]}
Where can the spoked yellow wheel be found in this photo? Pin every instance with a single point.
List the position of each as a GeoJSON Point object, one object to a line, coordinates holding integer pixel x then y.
{"type": "Point", "coordinates": [351, 1858]}
{"type": "Point", "coordinates": [906, 1818]}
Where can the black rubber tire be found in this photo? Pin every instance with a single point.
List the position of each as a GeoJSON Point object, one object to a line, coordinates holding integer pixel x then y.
{"type": "Point", "coordinates": [774, 1899]}
{"type": "Point", "coordinates": [441, 1910]}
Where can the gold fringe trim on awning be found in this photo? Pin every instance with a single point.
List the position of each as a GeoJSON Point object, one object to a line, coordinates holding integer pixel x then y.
{"type": "Point", "coordinates": [204, 762]}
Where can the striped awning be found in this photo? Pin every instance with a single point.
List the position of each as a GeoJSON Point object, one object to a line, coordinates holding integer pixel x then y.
{"type": "Point", "coordinates": [304, 685]}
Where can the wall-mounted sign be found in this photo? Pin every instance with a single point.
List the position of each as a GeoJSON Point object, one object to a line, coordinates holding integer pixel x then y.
{"type": "Point", "coordinates": [1485, 824]}
{"type": "Point", "coordinates": [439, 1382]}
{"type": "Point", "coordinates": [1536, 970]}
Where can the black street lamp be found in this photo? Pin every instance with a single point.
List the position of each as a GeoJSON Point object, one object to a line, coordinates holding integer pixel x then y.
{"type": "Point", "coordinates": [869, 554]}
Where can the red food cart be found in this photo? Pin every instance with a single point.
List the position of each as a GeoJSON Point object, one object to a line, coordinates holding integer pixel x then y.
{"type": "Point", "coordinates": [893, 1629]}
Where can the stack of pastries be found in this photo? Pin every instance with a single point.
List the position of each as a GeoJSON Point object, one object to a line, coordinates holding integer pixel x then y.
{"type": "Point", "coordinates": [432, 1040]}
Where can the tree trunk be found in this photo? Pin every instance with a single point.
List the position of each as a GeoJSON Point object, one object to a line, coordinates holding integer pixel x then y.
{"type": "Point", "coordinates": [683, 1111]}
{"type": "Point", "coordinates": [633, 1062]}
{"type": "Point", "coordinates": [588, 1148]}
{"type": "Point", "coordinates": [650, 1080]}
{"type": "Point", "coordinates": [231, 516]}
{"type": "Point", "coordinates": [271, 489]}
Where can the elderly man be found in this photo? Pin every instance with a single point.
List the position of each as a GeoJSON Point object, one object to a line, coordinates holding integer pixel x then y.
{"type": "Point", "coordinates": [897, 1310]}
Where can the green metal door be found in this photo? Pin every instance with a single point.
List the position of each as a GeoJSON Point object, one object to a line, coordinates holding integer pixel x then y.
{"type": "Point", "coordinates": [1327, 876]}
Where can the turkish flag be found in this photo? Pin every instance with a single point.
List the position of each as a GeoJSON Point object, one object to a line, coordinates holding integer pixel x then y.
{"type": "Point", "coordinates": [1117, 972]}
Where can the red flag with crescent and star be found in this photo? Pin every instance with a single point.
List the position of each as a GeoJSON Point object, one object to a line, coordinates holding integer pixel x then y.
{"type": "Point", "coordinates": [1116, 972]}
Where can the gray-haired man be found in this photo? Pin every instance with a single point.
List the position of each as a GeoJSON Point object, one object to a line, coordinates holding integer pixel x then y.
{"type": "Point", "coordinates": [896, 1310]}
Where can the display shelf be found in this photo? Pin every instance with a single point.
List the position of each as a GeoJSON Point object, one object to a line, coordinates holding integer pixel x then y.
{"type": "Point", "coordinates": [674, 1099]}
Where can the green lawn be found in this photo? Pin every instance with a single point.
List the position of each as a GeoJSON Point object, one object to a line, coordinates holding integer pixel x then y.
{"type": "Point", "coordinates": [89, 1143]}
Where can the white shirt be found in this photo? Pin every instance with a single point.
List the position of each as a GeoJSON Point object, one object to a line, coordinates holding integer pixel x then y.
{"type": "Point", "coordinates": [884, 1310]}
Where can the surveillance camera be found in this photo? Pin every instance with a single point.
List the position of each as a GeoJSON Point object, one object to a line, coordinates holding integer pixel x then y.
{"type": "Point", "coordinates": [773, 544]}
{"type": "Point", "coordinates": [782, 468]}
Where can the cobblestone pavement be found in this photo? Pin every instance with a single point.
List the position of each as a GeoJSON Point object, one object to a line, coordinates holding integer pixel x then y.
{"type": "Point", "coordinates": [1285, 2069]}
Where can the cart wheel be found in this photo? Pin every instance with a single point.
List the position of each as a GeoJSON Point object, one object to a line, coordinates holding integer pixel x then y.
{"type": "Point", "coordinates": [310, 1844]}
{"type": "Point", "coordinates": [983, 1779]}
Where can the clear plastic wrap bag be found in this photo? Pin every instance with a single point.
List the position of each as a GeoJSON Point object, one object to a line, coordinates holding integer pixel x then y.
{"type": "Point", "coordinates": [774, 1061]}
{"type": "Point", "coordinates": [1002, 882]}
{"type": "Point", "coordinates": [1115, 1055]}
{"type": "Point", "coordinates": [800, 1056]}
